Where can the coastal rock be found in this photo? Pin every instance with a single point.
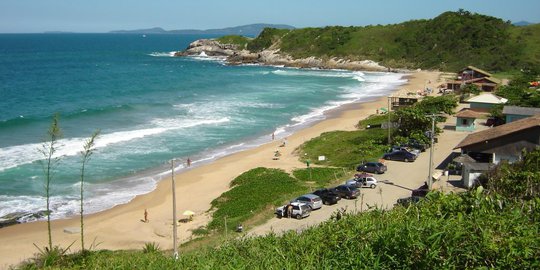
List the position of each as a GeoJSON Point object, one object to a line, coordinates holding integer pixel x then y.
{"type": "Point", "coordinates": [209, 47]}
{"type": "Point", "coordinates": [273, 57]}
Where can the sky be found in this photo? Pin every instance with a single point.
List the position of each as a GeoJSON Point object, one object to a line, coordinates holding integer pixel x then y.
{"type": "Point", "coordinates": [96, 16]}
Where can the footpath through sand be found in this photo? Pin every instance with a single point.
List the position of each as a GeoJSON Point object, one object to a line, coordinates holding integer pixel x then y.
{"type": "Point", "coordinates": [121, 227]}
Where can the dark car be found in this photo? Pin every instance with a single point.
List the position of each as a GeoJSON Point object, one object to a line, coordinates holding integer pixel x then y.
{"type": "Point", "coordinates": [414, 144]}
{"type": "Point", "coordinates": [422, 191]}
{"type": "Point", "coordinates": [372, 167]}
{"type": "Point", "coordinates": [346, 191]}
{"type": "Point", "coordinates": [400, 155]}
{"type": "Point", "coordinates": [408, 201]}
{"type": "Point", "coordinates": [328, 197]}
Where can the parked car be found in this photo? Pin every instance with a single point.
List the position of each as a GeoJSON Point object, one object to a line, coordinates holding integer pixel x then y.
{"type": "Point", "coordinates": [372, 167]}
{"type": "Point", "coordinates": [360, 182]}
{"type": "Point", "coordinates": [327, 196]}
{"type": "Point", "coordinates": [414, 144]}
{"type": "Point", "coordinates": [400, 155]}
{"type": "Point", "coordinates": [415, 152]}
{"type": "Point", "coordinates": [312, 200]}
{"type": "Point", "coordinates": [422, 191]}
{"type": "Point", "coordinates": [346, 191]}
{"type": "Point", "coordinates": [408, 200]}
{"type": "Point", "coordinates": [298, 210]}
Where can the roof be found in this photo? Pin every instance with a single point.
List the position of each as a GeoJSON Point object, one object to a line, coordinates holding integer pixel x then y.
{"type": "Point", "coordinates": [477, 166]}
{"type": "Point", "coordinates": [514, 148]}
{"type": "Point", "coordinates": [466, 113]}
{"type": "Point", "coordinates": [477, 70]}
{"type": "Point", "coordinates": [487, 98]}
{"type": "Point", "coordinates": [499, 131]}
{"type": "Point", "coordinates": [490, 79]}
{"type": "Point", "coordinates": [464, 158]}
{"type": "Point", "coordinates": [520, 110]}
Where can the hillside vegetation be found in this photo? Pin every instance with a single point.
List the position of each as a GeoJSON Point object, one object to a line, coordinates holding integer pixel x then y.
{"type": "Point", "coordinates": [448, 42]}
{"type": "Point", "coordinates": [477, 229]}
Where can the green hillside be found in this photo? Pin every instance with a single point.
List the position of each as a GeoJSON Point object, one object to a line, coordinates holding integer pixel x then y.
{"type": "Point", "coordinates": [448, 42]}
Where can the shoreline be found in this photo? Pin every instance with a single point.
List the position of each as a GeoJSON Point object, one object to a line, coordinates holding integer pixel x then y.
{"type": "Point", "coordinates": [121, 228]}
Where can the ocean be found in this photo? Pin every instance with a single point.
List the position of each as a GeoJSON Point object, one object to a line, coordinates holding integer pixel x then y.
{"type": "Point", "coordinates": [150, 107]}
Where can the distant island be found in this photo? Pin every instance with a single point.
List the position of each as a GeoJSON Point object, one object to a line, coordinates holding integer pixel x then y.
{"type": "Point", "coordinates": [244, 30]}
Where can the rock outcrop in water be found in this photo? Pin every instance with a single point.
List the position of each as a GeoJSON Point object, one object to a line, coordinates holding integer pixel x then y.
{"type": "Point", "coordinates": [272, 56]}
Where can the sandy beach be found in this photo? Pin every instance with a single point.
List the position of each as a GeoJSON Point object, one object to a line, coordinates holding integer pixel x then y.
{"type": "Point", "coordinates": [122, 228]}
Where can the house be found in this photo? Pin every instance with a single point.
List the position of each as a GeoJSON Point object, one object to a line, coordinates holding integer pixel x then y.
{"type": "Point", "coordinates": [504, 142]}
{"type": "Point", "coordinates": [513, 113]}
{"type": "Point", "coordinates": [400, 101]}
{"type": "Point", "coordinates": [466, 120]}
{"type": "Point", "coordinates": [484, 102]}
{"type": "Point", "coordinates": [473, 75]}
{"type": "Point", "coordinates": [471, 169]}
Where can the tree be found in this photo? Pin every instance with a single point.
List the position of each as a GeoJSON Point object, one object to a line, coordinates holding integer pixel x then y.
{"type": "Point", "coordinates": [88, 150]}
{"type": "Point", "coordinates": [48, 150]}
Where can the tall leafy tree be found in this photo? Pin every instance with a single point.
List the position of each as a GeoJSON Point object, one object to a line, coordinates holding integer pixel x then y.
{"type": "Point", "coordinates": [49, 163]}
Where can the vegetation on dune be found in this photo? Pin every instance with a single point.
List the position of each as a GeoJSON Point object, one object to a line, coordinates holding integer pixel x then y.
{"type": "Point", "coordinates": [346, 148]}
{"type": "Point", "coordinates": [470, 230]}
{"type": "Point", "coordinates": [253, 192]}
{"type": "Point", "coordinates": [450, 41]}
{"type": "Point", "coordinates": [318, 177]}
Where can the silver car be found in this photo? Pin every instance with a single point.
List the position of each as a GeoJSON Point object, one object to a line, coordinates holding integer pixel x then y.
{"type": "Point", "coordinates": [297, 210]}
{"type": "Point", "coordinates": [314, 201]}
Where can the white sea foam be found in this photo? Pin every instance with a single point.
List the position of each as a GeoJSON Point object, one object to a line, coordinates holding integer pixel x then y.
{"type": "Point", "coordinates": [205, 57]}
{"type": "Point", "coordinates": [356, 75]}
{"type": "Point", "coordinates": [375, 85]}
{"type": "Point", "coordinates": [14, 156]}
{"type": "Point", "coordinates": [99, 197]}
{"type": "Point", "coordinates": [162, 54]}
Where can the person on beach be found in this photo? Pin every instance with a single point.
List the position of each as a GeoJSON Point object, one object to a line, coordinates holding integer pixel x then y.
{"type": "Point", "coordinates": [289, 210]}
{"type": "Point", "coordinates": [146, 216]}
{"type": "Point", "coordinates": [284, 142]}
{"type": "Point", "coordinates": [273, 136]}
{"type": "Point", "coordinates": [188, 162]}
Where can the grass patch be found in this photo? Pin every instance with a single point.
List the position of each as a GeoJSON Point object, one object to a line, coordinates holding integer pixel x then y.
{"type": "Point", "coordinates": [321, 177]}
{"type": "Point", "coordinates": [373, 120]}
{"type": "Point", "coordinates": [345, 148]}
{"type": "Point", "coordinates": [253, 192]}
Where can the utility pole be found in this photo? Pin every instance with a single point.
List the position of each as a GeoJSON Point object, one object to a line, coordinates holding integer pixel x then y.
{"type": "Point", "coordinates": [175, 238]}
{"type": "Point", "coordinates": [388, 113]}
{"type": "Point", "coordinates": [432, 135]}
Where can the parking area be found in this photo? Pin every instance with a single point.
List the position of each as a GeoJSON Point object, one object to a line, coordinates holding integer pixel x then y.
{"type": "Point", "coordinates": [398, 182]}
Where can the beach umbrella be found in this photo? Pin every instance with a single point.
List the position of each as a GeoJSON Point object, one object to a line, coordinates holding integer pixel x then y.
{"type": "Point", "coordinates": [188, 213]}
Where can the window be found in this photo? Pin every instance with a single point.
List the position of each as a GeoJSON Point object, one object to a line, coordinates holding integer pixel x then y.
{"type": "Point", "coordinates": [464, 122]}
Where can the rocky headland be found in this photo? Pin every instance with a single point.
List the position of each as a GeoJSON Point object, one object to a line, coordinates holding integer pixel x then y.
{"type": "Point", "coordinates": [272, 56]}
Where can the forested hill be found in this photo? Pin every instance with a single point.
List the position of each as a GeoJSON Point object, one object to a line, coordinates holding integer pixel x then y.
{"type": "Point", "coordinates": [448, 42]}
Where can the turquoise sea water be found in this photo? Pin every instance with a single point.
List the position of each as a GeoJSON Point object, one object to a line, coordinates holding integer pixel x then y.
{"type": "Point", "coordinates": [150, 108]}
